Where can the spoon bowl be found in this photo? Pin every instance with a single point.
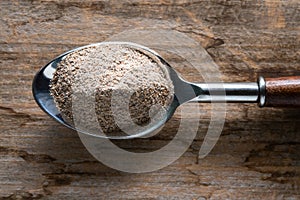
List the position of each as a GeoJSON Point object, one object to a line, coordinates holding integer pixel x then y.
{"type": "Point", "coordinates": [41, 91]}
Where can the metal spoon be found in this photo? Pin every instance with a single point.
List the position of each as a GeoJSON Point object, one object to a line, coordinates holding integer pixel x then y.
{"type": "Point", "coordinates": [184, 91]}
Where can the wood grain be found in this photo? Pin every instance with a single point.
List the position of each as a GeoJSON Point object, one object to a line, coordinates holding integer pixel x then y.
{"type": "Point", "coordinates": [283, 91]}
{"type": "Point", "coordinates": [257, 156]}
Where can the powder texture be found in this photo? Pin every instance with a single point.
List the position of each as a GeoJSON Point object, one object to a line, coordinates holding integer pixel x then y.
{"type": "Point", "coordinates": [110, 75]}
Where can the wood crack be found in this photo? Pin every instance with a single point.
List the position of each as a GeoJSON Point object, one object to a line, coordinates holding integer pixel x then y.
{"type": "Point", "coordinates": [209, 42]}
{"type": "Point", "coordinates": [19, 115]}
{"type": "Point", "coordinates": [28, 157]}
{"type": "Point", "coordinates": [24, 195]}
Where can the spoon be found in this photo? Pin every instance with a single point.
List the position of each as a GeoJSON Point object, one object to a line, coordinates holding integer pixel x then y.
{"type": "Point", "coordinates": [271, 92]}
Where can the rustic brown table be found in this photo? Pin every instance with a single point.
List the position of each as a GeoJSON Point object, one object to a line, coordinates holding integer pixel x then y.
{"type": "Point", "coordinates": [257, 155]}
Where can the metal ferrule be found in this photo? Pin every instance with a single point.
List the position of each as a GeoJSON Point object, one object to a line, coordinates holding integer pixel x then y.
{"type": "Point", "coordinates": [262, 91]}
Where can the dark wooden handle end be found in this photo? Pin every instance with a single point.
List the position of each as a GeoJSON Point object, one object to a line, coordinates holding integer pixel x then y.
{"type": "Point", "coordinates": [282, 92]}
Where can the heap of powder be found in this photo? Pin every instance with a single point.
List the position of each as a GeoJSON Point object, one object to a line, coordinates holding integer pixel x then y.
{"type": "Point", "coordinates": [101, 71]}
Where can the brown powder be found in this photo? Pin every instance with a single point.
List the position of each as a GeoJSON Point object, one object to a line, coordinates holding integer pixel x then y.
{"type": "Point", "coordinates": [106, 73]}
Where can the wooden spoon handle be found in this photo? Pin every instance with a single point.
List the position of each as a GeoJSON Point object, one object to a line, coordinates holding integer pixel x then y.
{"type": "Point", "coordinates": [282, 92]}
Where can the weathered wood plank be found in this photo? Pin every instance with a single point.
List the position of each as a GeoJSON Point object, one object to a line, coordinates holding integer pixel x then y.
{"type": "Point", "coordinates": [257, 156]}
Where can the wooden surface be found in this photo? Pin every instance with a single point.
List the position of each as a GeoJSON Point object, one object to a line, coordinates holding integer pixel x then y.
{"type": "Point", "coordinates": [257, 156]}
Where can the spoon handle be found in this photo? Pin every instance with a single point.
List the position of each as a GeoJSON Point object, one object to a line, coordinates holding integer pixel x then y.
{"type": "Point", "coordinates": [269, 92]}
{"type": "Point", "coordinates": [280, 92]}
